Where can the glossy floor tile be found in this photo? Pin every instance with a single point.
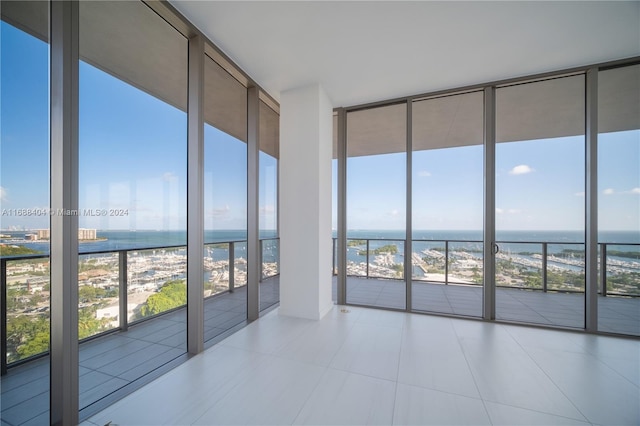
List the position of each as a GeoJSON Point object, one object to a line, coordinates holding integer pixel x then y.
{"type": "Point", "coordinates": [364, 366]}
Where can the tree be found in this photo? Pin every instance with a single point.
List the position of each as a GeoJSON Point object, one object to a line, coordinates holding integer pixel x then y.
{"type": "Point", "coordinates": [27, 336]}
{"type": "Point", "coordinates": [37, 344]}
{"type": "Point", "coordinates": [171, 295]}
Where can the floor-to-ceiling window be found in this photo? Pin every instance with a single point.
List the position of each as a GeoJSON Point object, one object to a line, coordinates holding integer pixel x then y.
{"type": "Point", "coordinates": [225, 200]}
{"type": "Point", "coordinates": [25, 202]}
{"type": "Point", "coordinates": [132, 194]}
{"type": "Point", "coordinates": [540, 208]}
{"type": "Point", "coordinates": [619, 199]}
{"type": "Point", "coordinates": [376, 206]}
{"type": "Point", "coordinates": [447, 204]}
{"type": "Point", "coordinates": [269, 154]}
{"type": "Point", "coordinates": [334, 207]}
{"type": "Point", "coordinates": [131, 174]}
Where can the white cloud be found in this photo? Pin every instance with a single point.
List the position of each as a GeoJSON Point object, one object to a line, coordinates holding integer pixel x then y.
{"type": "Point", "coordinates": [608, 191]}
{"type": "Point", "coordinates": [580, 194]}
{"type": "Point", "coordinates": [499, 210]}
{"type": "Point", "coordinates": [269, 208]}
{"type": "Point", "coordinates": [169, 177]}
{"type": "Point", "coordinates": [3, 194]}
{"type": "Point", "coordinates": [514, 211]}
{"type": "Point", "coordinates": [424, 173]}
{"type": "Point", "coordinates": [394, 213]}
{"type": "Point", "coordinates": [220, 212]}
{"type": "Point", "coordinates": [634, 191]}
{"type": "Point", "coordinates": [522, 169]}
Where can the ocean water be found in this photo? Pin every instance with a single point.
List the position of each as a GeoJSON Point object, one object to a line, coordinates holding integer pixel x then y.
{"type": "Point", "coordinates": [127, 240]}
{"type": "Point", "coordinates": [508, 241]}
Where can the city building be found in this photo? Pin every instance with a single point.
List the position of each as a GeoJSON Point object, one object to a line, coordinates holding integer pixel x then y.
{"type": "Point", "coordinates": [83, 234]}
{"type": "Point", "coordinates": [171, 109]}
{"type": "Point", "coordinates": [43, 234]}
{"type": "Point", "coordinates": [86, 234]}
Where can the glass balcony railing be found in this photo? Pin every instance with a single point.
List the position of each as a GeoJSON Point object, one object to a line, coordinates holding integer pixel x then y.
{"type": "Point", "coordinates": [115, 289]}
{"type": "Point", "coordinates": [544, 266]}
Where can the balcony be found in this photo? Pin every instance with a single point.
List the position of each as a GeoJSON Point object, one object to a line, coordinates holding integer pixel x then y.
{"type": "Point", "coordinates": [537, 282]}
{"type": "Point", "coordinates": [126, 340]}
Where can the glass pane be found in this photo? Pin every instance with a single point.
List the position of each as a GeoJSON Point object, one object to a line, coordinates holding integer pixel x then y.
{"type": "Point", "coordinates": [24, 201]}
{"type": "Point", "coordinates": [376, 204]}
{"type": "Point", "coordinates": [98, 293]}
{"type": "Point", "coordinates": [132, 195]}
{"type": "Point", "coordinates": [619, 200]}
{"type": "Point", "coordinates": [268, 204]}
{"type": "Point", "coordinates": [334, 209]}
{"type": "Point", "coordinates": [448, 158]}
{"type": "Point", "coordinates": [540, 181]}
{"type": "Point", "coordinates": [225, 201]}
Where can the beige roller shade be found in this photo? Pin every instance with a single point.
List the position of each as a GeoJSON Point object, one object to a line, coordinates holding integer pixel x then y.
{"type": "Point", "coordinates": [225, 101]}
{"type": "Point", "coordinates": [269, 131]}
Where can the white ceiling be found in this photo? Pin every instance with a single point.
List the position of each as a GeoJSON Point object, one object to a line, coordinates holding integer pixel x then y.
{"type": "Point", "coordinates": [362, 51]}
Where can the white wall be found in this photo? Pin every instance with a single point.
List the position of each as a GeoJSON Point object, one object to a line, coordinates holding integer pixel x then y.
{"type": "Point", "coordinates": [306, 120]}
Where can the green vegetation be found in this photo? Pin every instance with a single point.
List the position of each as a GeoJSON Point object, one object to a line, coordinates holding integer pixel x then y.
{"type": "Point", "coordinates": [399, 269]}
{"type": "Point", "coordinates": [21, 299]}
{"type": "Point", "coordinates": [27, 336]}
{"type": "Point", "coordinates": [627, 254]}
{"type": "Point", "coordinates": [356, 243]}
{"type": "Point", "coordinates": [89, 294]}
{"type": "Point", "coordinates": [171, 295]}
{"type": "Point", "coordinates": [532, 279]}
{"type": "Point", "coordinates": [624, 283]}
{"type": "Point", "coordinates": [219, 246]}
{"type": "Point", "coordinates": [88, 324]}
{"type": "Point", "coordinates": [389, 248]}
{"type": "Point", "coordinates": [6, 250]}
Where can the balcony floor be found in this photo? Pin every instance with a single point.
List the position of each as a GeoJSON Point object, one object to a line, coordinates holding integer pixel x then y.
{"type": "Point", "coordinates": [367, 366]}
{"type": "Point", "coordinates": [616, 314]}
{"type": "Point", "coordinates": [114, 361]}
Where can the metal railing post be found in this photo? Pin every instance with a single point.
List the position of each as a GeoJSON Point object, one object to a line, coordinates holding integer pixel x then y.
{"type": "Point", "coordinates": [544, 267]}
{"type": "Point", "coordinates": [232, 267]}
{"type": "Point", "coordinates": [367, 258]}
{"type": "Point", "coordinates": [260, 260]}
{"type": "Point", "coordinates": [333, 256]}
{"type": "Point", "coordinates": [603, 269]}
{"type": "Point", "coordinates": [122, 289]}
{"type": "Point", "coordinates": [446, 262]}
{"type": "Point", "coordinates": [3, 320]}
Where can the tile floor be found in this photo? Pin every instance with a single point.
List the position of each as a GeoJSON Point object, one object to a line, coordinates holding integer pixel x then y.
{"type": "Point", "coordinates": [369, 366]}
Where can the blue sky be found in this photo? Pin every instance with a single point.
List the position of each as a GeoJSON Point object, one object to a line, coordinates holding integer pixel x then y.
{"type": "Point", "coordinates": [133, 156]}
{"type": "Point", "coordinates": [132, 152]}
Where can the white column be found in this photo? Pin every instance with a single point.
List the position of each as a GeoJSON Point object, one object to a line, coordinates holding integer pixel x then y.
{"type": "Point", "coordinates": [306, 120]}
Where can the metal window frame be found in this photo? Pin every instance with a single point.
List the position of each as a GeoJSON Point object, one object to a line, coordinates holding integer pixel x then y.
{"type": "Point", "coordinates": [489, 231]}
{"type": "Point", "coordinates": [195, 196]}
{"type": "Point", "coordinates": [408, 225]}
{"type": "Point", "coordinates": [342, 207]}
{"type": "Point", "coordinates": [64, 75]}
{"type": "Point", "coordinates": [253, 208]}
{"type": "Point", "coordinates": [591, 200]}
